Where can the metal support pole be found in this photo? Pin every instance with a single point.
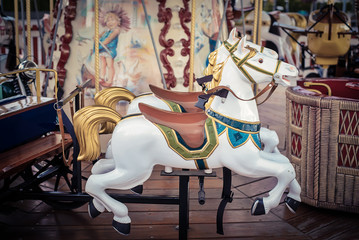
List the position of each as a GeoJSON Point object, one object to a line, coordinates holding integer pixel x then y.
{"type": "Point", "coordinates": [40, 27]}
{"type": "Point", "coordinates": [28, 28]}
{"type": "Point", "coordinates": [191, 54]}
{"type": "Point", "coordinates": [49, 58]}
{"type": "Point", "coordinates": [23, 24]}
{"type": "Point", "coordinates": [97, 47]}
{"type": "Point", "coordinates": [183, 207]}
{"type": "Point", "coordinates": [154, 45]}
{"type": "Point", "coordinates": [258, 4]}
{"type": "Point", "coordinates": [242, 16]}
{"type": "Point", "coordinates": [16, 15]}
{"type": "Point", "coordinates": [222, 20]}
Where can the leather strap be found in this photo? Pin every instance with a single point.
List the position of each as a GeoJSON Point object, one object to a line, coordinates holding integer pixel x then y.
{"type": "Point", "coordinates": [270, 85]}
{"type": "Point", "coordinates": [204, 79]}
{"type": "Point", "coordinates": [64, 122]}
{"type": "Point", "coordinates": [222, 91]}
{"type": "Point", "coordinates": [203, 99]}
{"type": "Point", "coordinates": [68, 161]}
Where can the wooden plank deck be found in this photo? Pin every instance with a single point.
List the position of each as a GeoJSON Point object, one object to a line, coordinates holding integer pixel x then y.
{"type": "Point", "coordinates": [36, 220]}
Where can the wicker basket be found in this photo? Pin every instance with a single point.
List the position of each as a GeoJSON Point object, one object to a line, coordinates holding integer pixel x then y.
{"type": "Point", "coordinates": [323, 146]}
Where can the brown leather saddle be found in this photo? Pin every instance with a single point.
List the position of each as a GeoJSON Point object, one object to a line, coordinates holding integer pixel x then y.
{"type": "Point", "coordinates": [186, 99]}
{"type": "Point", "coordinates": [189, 125]}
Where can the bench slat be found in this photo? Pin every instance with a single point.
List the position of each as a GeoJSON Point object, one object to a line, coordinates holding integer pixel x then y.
{"type": "Point", "coordinates": [16, 159]}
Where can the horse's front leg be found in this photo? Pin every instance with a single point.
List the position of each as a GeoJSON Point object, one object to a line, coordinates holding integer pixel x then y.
{"type": "Point", "coordinates": [252, 164]}
{"type": "Point", "coordinates": [285, 174]}
{"type": "Point", "coordinates": [270, 140]}
{"type": "Point", "coordinates": [293, 198]}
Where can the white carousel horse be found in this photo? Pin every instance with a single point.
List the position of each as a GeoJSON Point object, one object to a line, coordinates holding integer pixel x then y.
{"type": "Point", "coordinates": [268, 137]}
{"type": "Point", "coordinates": [139, 144]}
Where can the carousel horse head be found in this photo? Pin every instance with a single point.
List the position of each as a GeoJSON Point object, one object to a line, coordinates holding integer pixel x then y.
{"type": "Point", "coordinates": [217, 57]}
{"type": "Point", "coordinates": [255, 67]}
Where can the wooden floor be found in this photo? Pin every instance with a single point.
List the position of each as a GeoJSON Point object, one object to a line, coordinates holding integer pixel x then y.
{"type": "Point", "coordinates": [36, 220]}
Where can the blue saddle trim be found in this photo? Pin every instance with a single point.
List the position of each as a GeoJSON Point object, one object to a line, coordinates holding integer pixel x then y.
{"type": "Point", "coordinates": [237, 138]}
{"type": "Point", "coordinates": [220, 128]}
{"type": "Point", "coordinates": [201, 164]}
{"type": "Point", "coordinates": [235, 124]}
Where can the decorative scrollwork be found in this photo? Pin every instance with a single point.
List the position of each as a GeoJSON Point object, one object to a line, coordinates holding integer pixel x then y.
{"type": "Point", "coordinates": [70, 14]}
{"type": "Point", "coordinates": [164, 16]}
{"type": "Point", "coordinates": [185, 17]}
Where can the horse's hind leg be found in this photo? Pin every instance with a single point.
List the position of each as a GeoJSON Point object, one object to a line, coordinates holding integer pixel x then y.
{"type": "Point", "coordinates": [103, 166]}
{"type": "Point", "coordinates": [116, 179]}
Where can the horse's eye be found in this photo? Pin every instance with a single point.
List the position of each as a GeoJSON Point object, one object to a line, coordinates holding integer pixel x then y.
{"type": "Point", "coordinates": [260, 60]}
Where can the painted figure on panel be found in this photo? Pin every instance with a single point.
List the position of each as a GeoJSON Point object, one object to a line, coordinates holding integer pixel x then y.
{"type": "Point", "coordinates": [115, 20]}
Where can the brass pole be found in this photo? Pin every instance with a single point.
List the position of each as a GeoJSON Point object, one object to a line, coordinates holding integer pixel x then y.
{"type": "Point", "coordinates": [16, 15]}
{"type": "Point", "coordinates": [38, 87]}
{"type": "Point", "coordinates": [51, 12]}
{"type": "Point", "coordinates": [97, 53]}
{"type": "Point", "coordinates": [191, 55]}
{"type": "Point", "coordinates": [28, 27]}
{"type": "Point", "coordinates": [258, 7]}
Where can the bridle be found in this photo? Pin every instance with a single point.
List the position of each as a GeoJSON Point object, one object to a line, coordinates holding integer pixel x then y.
{"type": "Point", "coordinates": [244, 61]}
{"type": "Point", "coordinates": [240, 63]}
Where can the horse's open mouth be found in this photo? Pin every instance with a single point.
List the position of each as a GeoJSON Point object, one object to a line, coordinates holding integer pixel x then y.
{"type": "Point", "coordinates": [290, 80]}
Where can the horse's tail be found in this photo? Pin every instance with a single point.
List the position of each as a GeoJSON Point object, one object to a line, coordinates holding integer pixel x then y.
{"type": "Point", "coordinates": [86, 125]}
{"type": "Point", "coordinates": [110, 97]}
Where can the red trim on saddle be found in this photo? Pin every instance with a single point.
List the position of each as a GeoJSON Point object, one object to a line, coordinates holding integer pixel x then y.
{"type": "Point", "coordinates": [186, 99]}
{"type": "Point", "coordinates": [189, 125]}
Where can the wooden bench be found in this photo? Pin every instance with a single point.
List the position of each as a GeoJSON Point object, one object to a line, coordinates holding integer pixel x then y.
{"type": "Point", "coordinates": [18, 158]}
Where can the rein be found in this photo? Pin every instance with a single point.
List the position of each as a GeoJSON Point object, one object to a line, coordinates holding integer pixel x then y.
{"type": "Point", "coordinates": [218, 91]}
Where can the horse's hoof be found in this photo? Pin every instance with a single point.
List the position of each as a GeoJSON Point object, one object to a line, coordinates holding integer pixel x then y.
{"type": "Point", "coordinates": [258, 207]}
{"type": "Point", "coordinates": [292, 204]}
{"type": "Point", "coordinates": [122, 228]}
{"type": "Point", "coordinates": [138, 189]}
{"type": "Point", "coordinates": [92, 210]}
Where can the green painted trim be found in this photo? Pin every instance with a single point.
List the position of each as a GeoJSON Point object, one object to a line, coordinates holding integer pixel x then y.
{"type": "Point", "coordinates": [174, 106]}
{"type": "Point", "coordinates": [231, 48]}
{"type": "Point", "coordinates": [259, 69]}
{"type": "Point", "coordinates": [248, 76]}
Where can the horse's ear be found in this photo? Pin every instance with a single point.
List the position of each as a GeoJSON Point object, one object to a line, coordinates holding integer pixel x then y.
{"type": "Point", "coordinates": [242, 44]}
{"type": "Point", "coordinates": [233, 34]}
